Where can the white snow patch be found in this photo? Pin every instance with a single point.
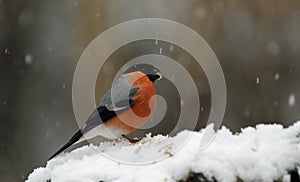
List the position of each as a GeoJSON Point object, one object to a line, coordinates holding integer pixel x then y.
{"type": "Point", "coordinates": [264, 153]}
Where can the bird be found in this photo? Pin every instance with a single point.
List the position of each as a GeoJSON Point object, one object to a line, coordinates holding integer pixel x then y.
{"type": "Point", "coordinates": [126, 107]}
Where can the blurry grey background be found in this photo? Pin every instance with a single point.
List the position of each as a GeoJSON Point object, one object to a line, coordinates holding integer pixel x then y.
{"type": "Point", "coordinates": [257, 43]}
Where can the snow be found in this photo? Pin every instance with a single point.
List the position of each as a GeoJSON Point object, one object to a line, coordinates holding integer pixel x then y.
{"type": "Point", "coordinates": [171, 48]}
{"type": "Point", "coordinates": [200, 12]}
{"type": "Point", "coordinates": [272, 48]}
{"type": "Point", "coordinates": [247, 112]}
{"type": "Point", "coordinates": [292, 100]}
{"type": "Point", "coordinates": [277, 76]}
{"type": "Point", "coordinates": [263, 153]}
{"type": "Point", "coordinates": [181, 102]}
{"type": "Point", "coordinates": [28, 59]}
{"type": "Point", "coordinates": [6, 51]}
{"type": "Point", "coordinates": [257, 80]}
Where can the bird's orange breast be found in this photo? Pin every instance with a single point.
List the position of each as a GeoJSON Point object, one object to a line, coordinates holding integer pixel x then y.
{"type": "Point", "coordinates": [145, 105]}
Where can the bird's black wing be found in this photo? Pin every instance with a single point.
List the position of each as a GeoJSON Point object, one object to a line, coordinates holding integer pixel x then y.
{"type": "Point", "coordinates": [101, 114]}
{"type": "Point", "coordinates": [115, 101]}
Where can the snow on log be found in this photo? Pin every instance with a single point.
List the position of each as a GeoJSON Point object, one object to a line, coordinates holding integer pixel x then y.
{"type": "Point", "coordinates": [263, 153]}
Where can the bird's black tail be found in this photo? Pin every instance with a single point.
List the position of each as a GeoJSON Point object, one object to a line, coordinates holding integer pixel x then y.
{"type": "Point", "coordinates": [74, 139]}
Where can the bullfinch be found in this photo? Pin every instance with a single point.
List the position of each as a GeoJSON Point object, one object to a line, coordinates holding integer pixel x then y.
{"type": "Point", "coordinates": [127, 106]}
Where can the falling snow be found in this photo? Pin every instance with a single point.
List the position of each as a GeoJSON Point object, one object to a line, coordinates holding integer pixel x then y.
{"type": "Point", "coordinates": [200, 12]}
{"type": "Point", "coordinates": [202, 108]}
{"type": "Point", "coordinates": [182, 102]}
{"type": "Point", "coordinates": [272, 48]}
{"type": "Point", "coordinates": [292, 100]}
{"type": "Point", "coordinates": [257, 80]}
{"type": "Point", "coordinates": [160, 50]}
{"type": "Point", "coordinates": [47, 135]}
{"type": "Point", "coordinates": [6, 51]}
{"type": "Point", "coordinates": [247, 113]}
{"type": "Point", "coordinates": [171, 48]}
{"type": "Point", "coordinates": [277, 76]}
{"type": "Point", "coordinates": [28, 59]}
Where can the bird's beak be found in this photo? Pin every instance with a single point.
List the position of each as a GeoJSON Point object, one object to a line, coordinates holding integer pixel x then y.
{"type": "Point", "coordinates": [160, 76]}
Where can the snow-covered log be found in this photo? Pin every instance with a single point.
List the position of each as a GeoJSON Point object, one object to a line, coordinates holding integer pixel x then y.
{"type": "Point", "coordinates": [263, 153]}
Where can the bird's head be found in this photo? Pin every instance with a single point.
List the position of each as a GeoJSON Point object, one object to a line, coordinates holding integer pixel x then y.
{"type": "Point", "coordinates": [152, 72]}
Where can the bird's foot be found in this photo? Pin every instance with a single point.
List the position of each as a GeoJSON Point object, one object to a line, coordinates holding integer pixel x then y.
{"type": "Point", "coordinates": [131, 140]}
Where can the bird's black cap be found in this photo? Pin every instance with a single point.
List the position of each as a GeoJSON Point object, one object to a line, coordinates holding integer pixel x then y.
{"type": "Point", "coordinates": [152, 72]}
